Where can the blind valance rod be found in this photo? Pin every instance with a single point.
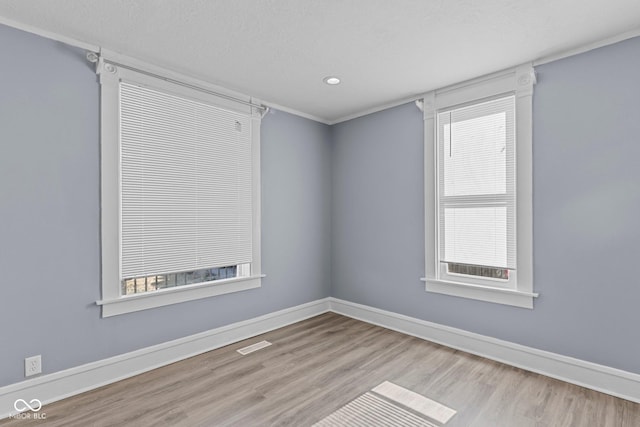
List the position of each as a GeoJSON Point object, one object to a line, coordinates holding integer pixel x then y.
{"type": "Point", "coordinates": [96, 58]}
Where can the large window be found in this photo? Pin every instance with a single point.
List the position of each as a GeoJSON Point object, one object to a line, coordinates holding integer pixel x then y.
{"type": "Point", "coordinates": [478, 189]}
{"type": "Point", "coordinates": [180, 192]}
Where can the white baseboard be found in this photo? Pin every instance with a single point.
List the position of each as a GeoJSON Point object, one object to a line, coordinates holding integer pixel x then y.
{"type": "Point", "coordinates": [59, 385]}
{"type": "Point", "coordinates": [615, 382]}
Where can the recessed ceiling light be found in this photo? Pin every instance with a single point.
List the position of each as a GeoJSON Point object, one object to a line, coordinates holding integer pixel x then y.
{"type": "Point", "coordinates": [331, 80]}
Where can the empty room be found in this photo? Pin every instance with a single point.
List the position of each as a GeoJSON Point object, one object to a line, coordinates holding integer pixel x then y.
{"type": "Point", "coordinates": [320, 213]}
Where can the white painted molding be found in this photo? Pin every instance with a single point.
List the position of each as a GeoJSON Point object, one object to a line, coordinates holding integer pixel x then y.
{"type": "Point", "coordinates": [587, 47]}
{"type": "Point", "coordinates": [375, 109]}
{"type": "Point", "coordinates": [493, 294]}
{"type": "Point", "coordinates": [518, 81]}
{"type": "Point", "coordinates": [132, 69]}
{"type": "Point", "coordinates": [543, 60]}
{"type": "Point", "coordinates": [59, 385]}
{"type": "Point", "coordinates": [539, 61]}
{"type": "Point", "coordinates": [47, 34]}
{"type": "Point", "coordinates": [615, 382]}
{"type": "Point", "coordinates": [278, 107]}
{"type": "Point", "coordinates": [167, 296]}
{"type": "Point", "coordinates": [95, 48]}
{"type": "Point", "coordinates": [113, 69]}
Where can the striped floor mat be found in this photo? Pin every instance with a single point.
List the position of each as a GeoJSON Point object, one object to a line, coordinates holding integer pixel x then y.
{"type": "Point", "coordinates": [392, 406]}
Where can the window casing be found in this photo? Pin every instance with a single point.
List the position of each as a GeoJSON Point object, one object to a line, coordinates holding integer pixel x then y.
{"type": "Point", "coordinates": [478, 194]}
{"type": "Point", "coordinates": [180, 178]}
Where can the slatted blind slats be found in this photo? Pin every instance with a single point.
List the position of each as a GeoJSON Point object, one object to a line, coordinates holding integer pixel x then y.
{"type": "Point", "coordinates": [476, 184]}
{"type": "Point", "coordinates": [185, 184]}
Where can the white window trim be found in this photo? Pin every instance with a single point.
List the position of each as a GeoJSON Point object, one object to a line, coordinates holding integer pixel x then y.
{"type": "Point", "coordinates": [518, 81]}
{"type": "Point", "coordinates": [112, 302]}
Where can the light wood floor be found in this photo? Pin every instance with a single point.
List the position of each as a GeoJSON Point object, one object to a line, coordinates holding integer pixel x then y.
{"type": "Point", "coordinates": [315, 367]}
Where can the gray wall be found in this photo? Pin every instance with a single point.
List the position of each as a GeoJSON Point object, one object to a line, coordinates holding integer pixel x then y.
{"type": "Point", "coordinates": [343, 214]}
{"type": "Point", "coordinates": [586, 208]}
{"type": "Point", "coordinates": [50, 212]}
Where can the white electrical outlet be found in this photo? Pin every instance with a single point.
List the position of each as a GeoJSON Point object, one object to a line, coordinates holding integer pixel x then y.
{"type": "Point", "coordinates": [32, 365]}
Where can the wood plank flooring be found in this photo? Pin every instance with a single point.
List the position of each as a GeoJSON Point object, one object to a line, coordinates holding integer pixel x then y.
{"type": "Point", "coordinates": [317, 366]}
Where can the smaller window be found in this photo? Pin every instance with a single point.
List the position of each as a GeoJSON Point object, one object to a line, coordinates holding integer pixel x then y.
{"type": "Point", "coordinates": [476, 193]}
{"type": "Point", "coordinates": [478, 221]}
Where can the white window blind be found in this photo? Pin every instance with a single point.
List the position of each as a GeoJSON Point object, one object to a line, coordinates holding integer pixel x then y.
{"type": "Point", "coordinates": [185, 176]}
{"type": "Point", "coordinates": [476, 184]}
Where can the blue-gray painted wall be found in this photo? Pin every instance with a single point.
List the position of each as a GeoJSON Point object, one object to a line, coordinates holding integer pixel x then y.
{"type": "Point", "coordinates": [343, 215]}
{"type": "Point", "coordinates": [586, 199]}
{"type": "Point", "coordinates": [50, 213]}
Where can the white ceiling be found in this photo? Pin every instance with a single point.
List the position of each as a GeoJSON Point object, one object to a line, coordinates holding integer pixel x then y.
{"type": "Point", "coordinates": [280, 50]}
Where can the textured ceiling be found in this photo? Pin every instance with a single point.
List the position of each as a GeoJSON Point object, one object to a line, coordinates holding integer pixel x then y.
{"type": "Point", "coordinates": [279, 50]}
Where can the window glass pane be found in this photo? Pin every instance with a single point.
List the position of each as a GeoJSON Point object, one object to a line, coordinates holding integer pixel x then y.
{"type": "Point", "coordinates": [476, 200]}
{"type": "Point", "coordinates": [475, 155]}
{"type": "Point", "coordinates": [476, 236]}
{"type": "Point", "coordinates": [478, 270]}
{"type": "Point", "coordinates": [140, 285]}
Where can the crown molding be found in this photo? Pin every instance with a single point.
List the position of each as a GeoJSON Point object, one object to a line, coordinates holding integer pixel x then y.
{"type": "Point", "coordinates": [539, 61]}
{"type": "Point", "coordinates": [295, 112]}
{"type": "Point", "coordinates": [587, 47]}
{"type": "Point", "coordinates": [48, 34]}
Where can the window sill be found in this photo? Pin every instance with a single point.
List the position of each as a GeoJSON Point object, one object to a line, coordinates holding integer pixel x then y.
{"type": "Point", "coordinates": [483, 293]}
{"type": "Point", "coordinates": [162, 297]}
